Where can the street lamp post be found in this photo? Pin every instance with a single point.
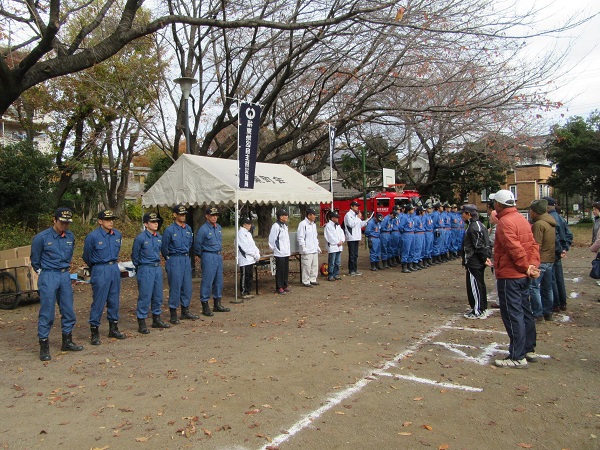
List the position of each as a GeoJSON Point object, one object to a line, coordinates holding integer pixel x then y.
{"type": "Point", "coordinates": [186, 83]}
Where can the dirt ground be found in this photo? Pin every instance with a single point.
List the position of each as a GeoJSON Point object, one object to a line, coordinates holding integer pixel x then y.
{"type": "Point", "coordinates": [384, 360]}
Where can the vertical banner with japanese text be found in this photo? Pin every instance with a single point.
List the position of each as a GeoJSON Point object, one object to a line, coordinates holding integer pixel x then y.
{"type": "Point", "coordinates": [249, 121]}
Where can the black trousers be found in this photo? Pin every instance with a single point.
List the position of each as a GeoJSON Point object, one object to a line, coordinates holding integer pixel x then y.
{"type": "Point", "coordinates": [282, 270]}
{"type": "Point", "coordinates": [476, 289]}
{"type": "Point", "coordinates": [246, 276]}
{"type": "Point", "coordinates": [353, 255]}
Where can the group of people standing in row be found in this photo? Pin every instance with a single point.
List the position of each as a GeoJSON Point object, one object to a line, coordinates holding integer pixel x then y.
{"type": "Point", "coordinates": [52, 252]}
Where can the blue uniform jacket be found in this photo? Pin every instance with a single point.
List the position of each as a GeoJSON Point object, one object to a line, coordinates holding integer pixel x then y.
{"type": "Point", "coordinates": [146, 248]}
{"type": "Point", "coordinates": [208, 239]}
{"type": "Point", "coordinates": [52, 251]}
{"type": "Point", "coordinates": [177, 240]}
{"type": "Point", "coordinates": [372, 229]}
{"type": "Point", "coordinates": [101, 247]}
{"type": "Point", "coordinates": [407, 223]}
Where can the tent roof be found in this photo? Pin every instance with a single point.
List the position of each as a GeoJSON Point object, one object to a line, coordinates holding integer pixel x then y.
{"type": "Point", "coordinates": [201, 180]}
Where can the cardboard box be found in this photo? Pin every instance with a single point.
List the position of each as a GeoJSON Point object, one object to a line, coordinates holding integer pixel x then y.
{"type": "Point", "coordinates": [23, 252]}
{"type": "Point", "coordinates": [8, 254]}
{"type": "Point", "coordinates": [27, 279]}
{"type": "Point", "coordinates": [18, 262]}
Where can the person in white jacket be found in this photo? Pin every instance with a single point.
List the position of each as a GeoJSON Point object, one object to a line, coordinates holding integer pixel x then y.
{"type": "Point", "coordinates": [334, 235]}
{"type": "Point", "coordinates": [279, 243]}
{"type": "Point", "coordinates": [248, 255]}
{"type": "Point", "coordinates": [352, 224]}
{"type": "Point", "coordinates": [308, 244]}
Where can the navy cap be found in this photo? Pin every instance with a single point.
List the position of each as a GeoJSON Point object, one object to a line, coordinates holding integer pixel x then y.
{"type": "Point", "coordinates": [107, 214]}
{"type": "Point", "coordinates": [212, 211]}
{"type": "Point", "coordinates": [408, 207]}
{"type": "Point", "coordinates": [550, 200]}
{"type": "Point", "coordinates": [310, 211]}
{"type": "Point", "coordinates": [180, 209]}
{"type": "Point", "coordinates": [334, 214]}
{"type": "Point", "coordinates": [246, 221]}
{"type": "Point", "coordinates": [281, 212]}
{"type": "Point", "coordinates": [151, 217]}
{"type": "Point", "coordinates": [63, 215]}
{"type": "Point", "coordinates": [354, 203]}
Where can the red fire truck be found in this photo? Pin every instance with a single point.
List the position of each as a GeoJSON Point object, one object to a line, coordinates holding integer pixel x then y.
{"type": "Point", "coordinates": [377, 202]}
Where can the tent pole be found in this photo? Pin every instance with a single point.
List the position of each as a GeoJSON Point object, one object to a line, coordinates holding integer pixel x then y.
{"type": "Point", "coordinates": [235, 248]}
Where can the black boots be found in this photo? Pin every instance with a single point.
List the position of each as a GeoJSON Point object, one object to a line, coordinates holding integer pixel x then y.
{"type": "Point", "coordinates": [405, 268]}
{"type": "Point", "coordinates": [373, 267]}
{"type": "Point", "coordinates": [384, 264]}
{"type": "Point", "coordinates": [113, 330]}
{"type": "Point", "coordinates": [68, 345]}
{"type": "Point", "coordinates": [95, 339]}
{"type": "Point", "coordinates": [157, 323]}
{"type": "Point", "coordinates": [142, 328]}
{"type": "Point", "coordinates": [218, 307]}
{"type": "Point", "coordinates": [186, 314]}
{"type": "Point", "coordinates": [174, 320]}
{"type": "Point", "coordinates": [45, 350]}
{"type": "Point", "coordinates": [206, 309]}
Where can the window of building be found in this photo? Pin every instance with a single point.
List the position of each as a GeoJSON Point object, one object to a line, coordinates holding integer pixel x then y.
{"type": "Point", "coordinates": [484, 196]}
{"type": "Point", "coordinates": [544, 190]}
{"type": "Point", "coordinates": [513, 188]}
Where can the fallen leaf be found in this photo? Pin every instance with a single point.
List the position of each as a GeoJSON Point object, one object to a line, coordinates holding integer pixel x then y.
{"type": "Point", "coordinates": [524, 445]}
{"type": "Point", "coordinates": [341, 413]}
{"type": "Point", "coordinates": [418, 399]}
{"type": "Point", "coordinates": [427, 427]}
{"type": "Point", "coordinates": [405, 433]}
{"type": "Point", "coordinates": [253, 411]}
{"type": "Point", "coordinates": [208, 433]}
{"type": "Point", "coordinates": [407, 424]}
{"type": "Point", "coordinates": [141, 439]}
{"type": "Point", "coordinates": [520, 409]}
{"type": "Point", "coordinates": [444, 447]}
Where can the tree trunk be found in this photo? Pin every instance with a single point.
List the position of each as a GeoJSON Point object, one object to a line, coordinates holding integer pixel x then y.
{"type": "Point", "coordinates": [264, 220]}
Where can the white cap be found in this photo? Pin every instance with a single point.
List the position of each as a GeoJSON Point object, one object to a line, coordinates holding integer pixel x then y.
{"type": "Point", "coordinates": [505, 197]}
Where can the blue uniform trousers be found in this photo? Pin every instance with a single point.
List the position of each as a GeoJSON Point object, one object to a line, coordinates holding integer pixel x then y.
{"type": "Point", "coordinates": [106, 290]}
{"type": "Point", "coordinates": [438, 241]}
{"type": "Point", "coordinates": [55, 287]}
{"type": "Point", "coordinates": [395, 244]}
{"type": "Point", "coordinates": [150, 290]}
{"type": "Point", "coordinates": [375, 249]}
{"type": "Point", "coordinates": [417, 248]}
{"type": "Point", "coordinates": [407, 243]}
{"type": "Point", "coordinates": [456, 243]}
{"type": "Point", "coordinates": [513, 294]}
{"type": "Point", "coordinates": [428, 245]}
{"type": "Point", "coordinates": [179, 274]}
{"type": "Point", "coordinates": [212, 276]}
{"type": "Point", "coordinates": [447, 240]}
{"type": "Point", "coordinates": [384, 239]}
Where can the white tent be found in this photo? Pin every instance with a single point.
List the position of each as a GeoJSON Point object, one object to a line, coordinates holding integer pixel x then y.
{"type": "Point", "coordinates": [200, 180]}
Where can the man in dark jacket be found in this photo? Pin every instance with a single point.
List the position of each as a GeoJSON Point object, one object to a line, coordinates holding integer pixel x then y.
{"type": "Point", "coordinates": [476, 253]}
{"type": "Point", "coordinates": [540, 289]}
{"type": "Point", "coordinates": [564, 239]}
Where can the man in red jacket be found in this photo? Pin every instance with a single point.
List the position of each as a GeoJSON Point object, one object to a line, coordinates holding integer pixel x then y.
{"type": "Point", "coordinates": [516, 261]}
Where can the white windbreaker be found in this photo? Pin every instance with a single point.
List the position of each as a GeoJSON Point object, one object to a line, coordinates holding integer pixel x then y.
{"type": "Point", "coordinates": [248, 252]}
{"type": "Point", "coordinates": [308, 239]}
{"type": "Point", "coordinates": [279, 239]}
{"type": "Point", "coordinates": [353, 225]}
{"type": "Point", "coordinates": [334, 235]}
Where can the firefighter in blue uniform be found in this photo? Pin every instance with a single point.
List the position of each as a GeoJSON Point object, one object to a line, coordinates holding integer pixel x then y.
{"type": "Point", "coordinates": [177, 241]}
{"type": "Point", "coordinates": [208, 246]}
{"type": "Point", "coordinates": [447, 232]}
{"type": "Point", "coordinates": [438, 233]}
{"type": "Point", "coordinates": [407, 230]}
{"type": "Point", "coordinates": [456, 225]}
{"type": "Point", "coordinates": [145, 256]}
{"type": "Point", "coordinates": [419, 240]}
{"type": "Point", "coordinates": [51, 255]}
{"type": "Point", "coordinates": [385, 238]}
{"type": "Point", "coordinates": [395, 236]}
{"type": "Point", "coordinates": [101, 253]}
{"type": "Point", "coordinates": [372, 232]}
{"type": "Point", "coordinates": [428, 244]}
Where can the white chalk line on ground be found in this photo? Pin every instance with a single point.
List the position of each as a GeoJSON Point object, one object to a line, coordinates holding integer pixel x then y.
{"type": "Point", "coordinates": [335, 400]}
{"type": "Point", "coordinates": [477, 330]}
{"type": "Point", "coordinates": [431, 382]}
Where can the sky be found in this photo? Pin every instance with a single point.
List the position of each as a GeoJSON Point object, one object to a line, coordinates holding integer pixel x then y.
{"type": "Point", "coordinates": [579, 88]}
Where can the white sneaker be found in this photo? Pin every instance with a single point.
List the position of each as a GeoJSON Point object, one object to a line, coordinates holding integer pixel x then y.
{"type": "Point", "coordinates": [512, 363]}
{"type": "Point", "coordinates": [472, 315]}
{"type": "Point", "coordinates": [532, 357]}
